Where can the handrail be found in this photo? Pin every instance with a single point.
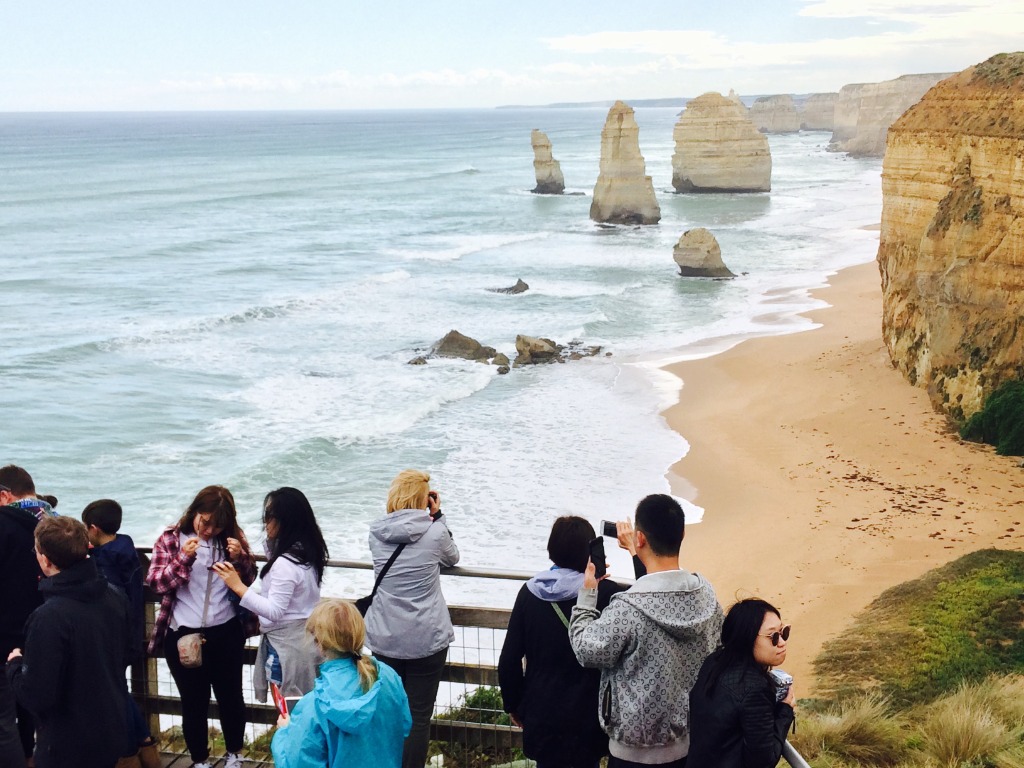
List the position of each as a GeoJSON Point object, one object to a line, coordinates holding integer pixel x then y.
{"type": "Point", "coordinates": [791, 756]}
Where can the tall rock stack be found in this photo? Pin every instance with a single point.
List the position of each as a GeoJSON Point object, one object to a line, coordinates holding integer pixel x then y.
{"type": "Point", "coordinates": [718, 149]}
{"type": "Point", "coordinates": [818, 113]}
{"type": "Point", "coordinates": [775, 114]}
{"type": "Point", "coordinates": [624, 193]}
{"type": "Point", "coordinates": [549, 173]}
{"type": "Point", "coordinates": [864, 112]}
{"type": "Point", "coordinates": [951, 253]}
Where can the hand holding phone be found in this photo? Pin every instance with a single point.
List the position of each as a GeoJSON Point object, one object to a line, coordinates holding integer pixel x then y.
{"type": "Point", "coordinates": [279, 700]}
{"type": "Point", "coordinates": [598, 558]}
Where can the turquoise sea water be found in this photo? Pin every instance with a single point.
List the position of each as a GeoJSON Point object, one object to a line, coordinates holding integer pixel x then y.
{"type": "Point", "coordinates": [232, 298]}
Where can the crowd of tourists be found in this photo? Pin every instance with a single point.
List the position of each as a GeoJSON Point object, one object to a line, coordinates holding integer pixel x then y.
{"type": "Point", "coordinates": [650, 674]}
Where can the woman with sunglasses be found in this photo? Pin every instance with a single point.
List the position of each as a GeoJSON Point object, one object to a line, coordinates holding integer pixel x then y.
{"type": "Point", "coordinates": [739, 717]}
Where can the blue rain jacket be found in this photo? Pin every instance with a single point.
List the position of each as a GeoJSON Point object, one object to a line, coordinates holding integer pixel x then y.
{"type": "Point", "coordinates": [336, 724]}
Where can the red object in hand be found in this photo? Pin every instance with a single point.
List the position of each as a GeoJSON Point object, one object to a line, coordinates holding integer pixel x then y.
{"type": "Point", "coordinates": [279, 702]}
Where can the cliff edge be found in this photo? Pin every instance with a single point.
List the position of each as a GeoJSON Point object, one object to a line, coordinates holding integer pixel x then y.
{"type": "Point", "coordinates": [951, 250]}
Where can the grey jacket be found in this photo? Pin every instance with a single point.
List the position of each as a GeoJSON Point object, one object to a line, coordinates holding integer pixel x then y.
{"type": "Point", "coordinates": [409, 618]}
{"type": "Point", "coordinates": [649, 643]}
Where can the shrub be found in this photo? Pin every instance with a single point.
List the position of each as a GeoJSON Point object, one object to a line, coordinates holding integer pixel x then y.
{"type": "Point", "coordinates": [859, 731]}
{"type": "Point", "coordinates": [1001, 421]}
{"type": "Point", "coordinates": [963, 729]}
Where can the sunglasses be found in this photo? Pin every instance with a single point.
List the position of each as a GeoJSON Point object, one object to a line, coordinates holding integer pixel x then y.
{"type": "Point", "coordinates": [783, 633]}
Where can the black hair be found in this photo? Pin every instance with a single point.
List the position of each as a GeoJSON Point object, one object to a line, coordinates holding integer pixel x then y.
{"type": "Point", "coordinates": [18, 480]}
{"type": "Point", "coordinates": [568, 544]}
{"type": "Point", "coordinates": [740, 629]}
{"type": "Point", "coordinates": [105, 514]}
{"type": "Point", "coordinates": [298, 535]}
{"type": "Point", "coordinates": [663, 522]}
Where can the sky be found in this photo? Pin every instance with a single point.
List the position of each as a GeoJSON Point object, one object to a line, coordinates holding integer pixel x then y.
{"type": "Point", "coordinates": [70, 55]}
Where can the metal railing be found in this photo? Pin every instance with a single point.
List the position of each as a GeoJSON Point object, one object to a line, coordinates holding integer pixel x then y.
{"type": "Point", "coordinates": [465, 729]}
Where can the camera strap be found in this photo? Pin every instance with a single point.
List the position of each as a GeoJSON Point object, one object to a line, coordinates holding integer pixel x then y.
{"type": "Point", "coordinates": [561, 614]}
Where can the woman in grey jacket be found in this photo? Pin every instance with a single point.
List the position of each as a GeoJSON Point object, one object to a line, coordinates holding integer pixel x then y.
{"type": "Point", "coordinates": [408, 626]}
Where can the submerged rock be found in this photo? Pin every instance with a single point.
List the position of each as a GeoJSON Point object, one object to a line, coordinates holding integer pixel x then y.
{"type": "Point", "coordinates": [547, 170]}
{"type": "Point", "coordinates": [698, 255]}
{"type": "Point", "coordinates": [532, 350]}
{"type": "Point", "coordinates": [519, 287]}
{"type": "Point", "coordinates": [624, 193]}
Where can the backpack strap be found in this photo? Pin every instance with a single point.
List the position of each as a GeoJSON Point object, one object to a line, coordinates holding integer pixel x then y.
{"type": "Point", "coordinates": [561, 615]}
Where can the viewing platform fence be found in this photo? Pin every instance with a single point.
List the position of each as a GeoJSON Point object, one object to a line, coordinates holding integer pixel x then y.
{"type": "Point", "coordinates": [469, 727]}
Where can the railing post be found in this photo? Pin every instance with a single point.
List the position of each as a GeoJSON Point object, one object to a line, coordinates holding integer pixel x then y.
{"type": "Point", "coordinates": [144, 676]}
{"type": "Point", "coordinates": [793, 757]}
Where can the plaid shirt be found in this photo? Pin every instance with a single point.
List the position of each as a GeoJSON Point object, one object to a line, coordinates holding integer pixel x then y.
{"type": "Point", "coordinates": [170, 569]}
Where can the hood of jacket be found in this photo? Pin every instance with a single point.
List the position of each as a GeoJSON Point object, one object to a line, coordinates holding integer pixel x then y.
{"type": "Point", "coordinates": [657, 597]}
{"type": "Point", "coordinates": [333, 700]}
{"type": "Point", "coordinates": [556, 584]}
{"type": "Point", "coordinates": [37, 507]}
{"type": "Point", "coordinates": [19, 516]}
{"type": "Point", "coordinates": [403, 526]}
{"type": "Point", "coordinates": [80, 581]}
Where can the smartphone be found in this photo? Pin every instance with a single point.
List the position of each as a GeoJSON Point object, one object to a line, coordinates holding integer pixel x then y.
{"type": "Point", "coordinates": [597, 557]}
{"type": "Point", "coordinates": [608, 529]}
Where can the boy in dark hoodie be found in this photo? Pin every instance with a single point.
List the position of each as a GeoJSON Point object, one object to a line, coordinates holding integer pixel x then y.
{"type": "Point", "coordinates": [71, 672]}
{"type": "Point", "coordinates": [118, 562]}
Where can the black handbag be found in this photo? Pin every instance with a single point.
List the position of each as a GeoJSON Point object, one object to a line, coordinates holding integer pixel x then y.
{"type": "Point", "coordinates": [363, 603]}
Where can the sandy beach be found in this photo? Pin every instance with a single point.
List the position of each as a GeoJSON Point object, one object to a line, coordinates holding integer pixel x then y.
{"type": "Point", "coordinates": [825, 476]}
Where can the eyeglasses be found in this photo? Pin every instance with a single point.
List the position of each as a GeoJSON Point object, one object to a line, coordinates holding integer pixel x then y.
{"type": "Point", "coordinates": [783, 633]}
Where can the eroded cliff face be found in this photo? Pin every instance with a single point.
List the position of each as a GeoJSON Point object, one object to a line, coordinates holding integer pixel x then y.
{"type": "Point", "coordinates": [718, 149]}
{"type": "Point", "coordinates": [547, 170]}
{"type": "Point", "coordinates": [775, 114]}
{"type": "Point", "coordinates": [818, 113]}
{"type": "Point", "coordinates": [624, 193]}
{"type": "Point", "coordinates": [951, 251]}
{"type": "Point", "coordinates": [864, 111]}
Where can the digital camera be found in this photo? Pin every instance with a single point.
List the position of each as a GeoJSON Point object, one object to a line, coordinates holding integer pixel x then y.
{"type": "Point", "coordinates": [782, 680]}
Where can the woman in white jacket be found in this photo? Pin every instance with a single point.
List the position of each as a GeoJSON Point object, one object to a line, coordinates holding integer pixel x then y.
{"type": "Point", "coordinates": [408, 626]}
{"type": "Point", "coordinates": [290, 590]}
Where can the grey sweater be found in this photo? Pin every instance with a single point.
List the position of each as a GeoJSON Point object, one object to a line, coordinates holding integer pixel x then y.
{"type": "Point", "coordinates": [649, 643]}
{"type": "Point", "coordinates": [409, 618]}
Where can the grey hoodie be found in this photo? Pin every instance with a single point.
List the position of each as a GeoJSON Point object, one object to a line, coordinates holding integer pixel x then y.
{"type": "Point", "coordinates": [409, 618]}
{"type": "Point", "coordinates": [649, 643]}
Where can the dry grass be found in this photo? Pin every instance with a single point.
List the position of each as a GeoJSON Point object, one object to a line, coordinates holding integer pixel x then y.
{"type": "Point", "coordinates": [859, 731]}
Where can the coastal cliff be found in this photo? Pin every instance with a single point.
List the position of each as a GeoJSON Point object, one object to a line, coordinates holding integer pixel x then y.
{"type": "Point", "coordinates": [624, 193]}
{"type": "Point", "coordinates": [549, 173]}
{"type": "Point", "coordinates": [775, 114]}
{"type": "Point", "coordinates": [864, 112]}
{"type": "Point", "coordinates": [818, 112]}
{"type": "Point", "coordinates": [951, 251]}
{"type": "Point", "coordinates": [718, 149]}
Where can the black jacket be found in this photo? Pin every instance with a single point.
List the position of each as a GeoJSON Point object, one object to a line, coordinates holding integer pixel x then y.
{"type": "Point", "coordinates": [19, 576]}
{"type": "Point", "coordinates": [71, 676]}
{"type": "Point", "coordinates": [739, 724]}
{"type": "Point", "coordinates": [555, 698]}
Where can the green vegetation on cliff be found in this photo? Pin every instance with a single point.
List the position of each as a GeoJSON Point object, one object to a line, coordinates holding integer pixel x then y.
{"type": "Point", "coordinates": [1001, 421]}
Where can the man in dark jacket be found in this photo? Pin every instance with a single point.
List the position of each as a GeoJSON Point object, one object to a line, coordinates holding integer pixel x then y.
{"type": "Point", "coordinates": [71, 672]}
{"type": "Point", "coordinates": [19, 590]}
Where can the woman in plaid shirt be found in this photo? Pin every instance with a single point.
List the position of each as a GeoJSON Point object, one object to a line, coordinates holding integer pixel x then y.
{"type": "Point", "coordinates": [194, 599]}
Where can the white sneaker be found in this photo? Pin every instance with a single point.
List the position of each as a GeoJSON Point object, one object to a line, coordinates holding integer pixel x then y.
{"type": "Point", "coordinates": [233, 760]}
{"type": "Point", "coordinates": [201, 765]}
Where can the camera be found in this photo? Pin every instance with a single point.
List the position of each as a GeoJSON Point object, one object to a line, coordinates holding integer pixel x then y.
{"type": "Point", "coordinates": [783, 680]}
{"type": "Point", "coordinates": [608, 529]}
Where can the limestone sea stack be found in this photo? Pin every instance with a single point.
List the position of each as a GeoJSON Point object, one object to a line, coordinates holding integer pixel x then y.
{"type": "Point", "coordinates": [698, 255]}
{"type": "Point", "coordinates": [775, 114]}
{"type": "Point", "coordinates": [951, 251]}
{"type": "Point", "coordinates": [818, 112]}
{"type": "Point", "coordinates": [624, 193]}
{"type": "Point", "coordinates": [549, 173]}
{"type": "Point", "coordinates": [864, 112]}
{"type": "Point", "coordinates": [718, 149]}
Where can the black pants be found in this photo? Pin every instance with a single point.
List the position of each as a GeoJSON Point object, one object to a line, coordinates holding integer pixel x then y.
{"type": "Point", "coordinates": [420, 678]}
{"type": "Point", "coordinates": [222, 671]}
{"type": "Point", "coordinates": [11, 751]}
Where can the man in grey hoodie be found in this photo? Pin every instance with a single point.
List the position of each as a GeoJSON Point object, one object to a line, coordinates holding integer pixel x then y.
{"type": "Point", "coordinates": [649, 643]}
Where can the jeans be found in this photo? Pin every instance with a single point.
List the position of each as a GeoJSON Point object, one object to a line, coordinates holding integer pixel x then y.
{"type": "Point", "coordinates": [221, 670]}
{"type": "Point", "coordinates": [420, 678]}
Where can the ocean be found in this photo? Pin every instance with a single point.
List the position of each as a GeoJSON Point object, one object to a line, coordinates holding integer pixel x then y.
{"type": "Point", "coordinates": [233, 298]}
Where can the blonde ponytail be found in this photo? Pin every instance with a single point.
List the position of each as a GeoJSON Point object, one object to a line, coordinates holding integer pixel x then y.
{"type": "Point", "coordinates": [339, 630]}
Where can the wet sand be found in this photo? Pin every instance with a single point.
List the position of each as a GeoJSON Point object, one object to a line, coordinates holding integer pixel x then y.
{"type": "Point", "coordinates": [825, 476]}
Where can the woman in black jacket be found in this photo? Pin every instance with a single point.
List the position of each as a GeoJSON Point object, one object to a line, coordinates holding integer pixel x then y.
{"type": "Point", "coordinates": [554, 700]}
{"type": "Point", "coordinates": [739, 716]}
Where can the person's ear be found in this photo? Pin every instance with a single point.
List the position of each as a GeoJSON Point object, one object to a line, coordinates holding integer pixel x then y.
{"type": "Point", "coordinates": [641, 540]}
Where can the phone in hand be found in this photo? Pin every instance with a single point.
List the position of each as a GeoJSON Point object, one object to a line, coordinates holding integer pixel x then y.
{"type": "Point", "coordinates": [608, 529]}
{"type": "Point", "coordinates": [279, 700]}
{"type": "Point", "coordinates": [597, 557]}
